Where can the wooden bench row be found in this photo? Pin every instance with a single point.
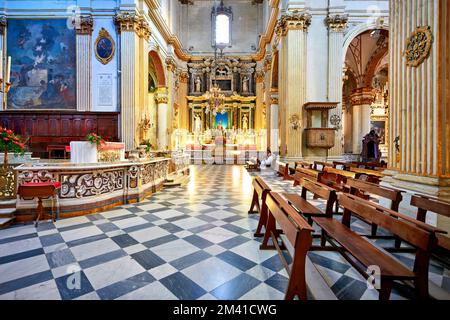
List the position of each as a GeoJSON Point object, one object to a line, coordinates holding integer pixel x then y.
{"type": "Point", "coordinates": [287, 210]}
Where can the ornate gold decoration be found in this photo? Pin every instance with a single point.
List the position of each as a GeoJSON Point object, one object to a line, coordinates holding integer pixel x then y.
{"type": "Point", "coordinates": [3, 24]}
{"type": "Point", "coordinates": [170, 63]}
{"type": "Point", "coordinates": [260, 75]}
{"type": "Point", "coordinates": [294, 121]}
{"type": "Point", "coordinates": [103, 34]}
{"type": "Point", "coordinates": [161, 98]}
{"type": "Point", "coordinates": [144, 29]}
{"type": "Point", "coordinates": [293, 21]}
{"type": "Point", "coordinates": [362, 96]}
{"type": "Point", "coordinates": [267, 63]}
{"type": "Point", "coordinates": [84, 25]}
{"type": "Point", "coordinates": [418, 46]}
{"type": "Point", "coordinates": [7, 183]}
{"type": "Point", "coordinates": [337, 23]}
{"type": "Point", "coordinates": [183, 77]}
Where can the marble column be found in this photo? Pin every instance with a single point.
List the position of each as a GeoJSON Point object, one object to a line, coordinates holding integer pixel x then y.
{"type": "Point", "coordinates": [84, 27]}
{"type": "Point", "coordinates": [172, 122]}
{"type": "Point", "coordinates": [419, 101]}
{"type": "Point", "coordinates": [360, 100]}
{"type": "Point", "coordinates": [336, 26]}
{"type": "Point", "coordinates": [183, 79]}
{"type": "Point", "coordinates": [274, 131]}
{"type": "Point", "coordinates": [131, 28]}
{"type": "Point", "coordinates": [161, 98]}
{"type": "Point", "coordinates": [292, 29]}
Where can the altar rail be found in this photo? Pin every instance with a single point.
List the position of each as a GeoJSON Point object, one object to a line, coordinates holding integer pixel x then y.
{"type": "Point", "coordinates": [93, 187]}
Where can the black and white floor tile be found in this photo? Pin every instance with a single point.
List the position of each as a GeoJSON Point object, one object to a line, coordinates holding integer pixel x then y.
{"type": "Point", "coordinates": [190, 242]}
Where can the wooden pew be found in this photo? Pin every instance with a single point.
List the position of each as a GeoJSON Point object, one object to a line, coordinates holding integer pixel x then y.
{"type": "Point", "coordinates": [283, 170]}
{"type": "Point", "coordinates": [345, 165]}
{"type": "Point", "coordinates": [425, 204]}
{"type": "Point", "coordinates": [336, 178]}
{"type": "Point", "coordinates": [299, 234]}
{"type": "Point", "coordinates": [369, 165]}
{"type": "Point", "coordinates": [322, 164]}
{"type": "Point", "coordinates": [372, 175]}
{"type": "Point", "coordinates": [353, 246]}
{"type": "Point", "coordinates": [364, 189]}
{"type": "Point", "coordinates": [319, 190]}
{"type": "Point", "coordinates": [303, 164]}
{"type": "Point", "coordinates": [305, 172]}
{"type": "Point", "coordinates": [260, 191]}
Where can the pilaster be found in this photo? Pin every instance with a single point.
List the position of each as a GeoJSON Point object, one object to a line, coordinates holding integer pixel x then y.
{"type": "Point", "coordinates": [274, 130]}
{"type": "Point", "coordinates": [83, 28]}
{"type": "Point", "coordinates": [336, 26]}
{"type": "Point", "coordinates": [260, 105]}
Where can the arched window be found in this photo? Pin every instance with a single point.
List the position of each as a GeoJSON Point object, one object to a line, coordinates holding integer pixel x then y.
{"type": "Point", "coordinates": [221, 17]}
{"type": "Point", "coordinates": [223, 29]}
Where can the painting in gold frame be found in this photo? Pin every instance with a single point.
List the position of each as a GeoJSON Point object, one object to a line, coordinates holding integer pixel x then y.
{"type": "Point", "coordinates": [104, 47]}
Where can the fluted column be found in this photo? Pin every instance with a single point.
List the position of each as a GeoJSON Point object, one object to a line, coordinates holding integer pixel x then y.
{"type": "Point", "coordinates": [131, 28]}
{"type": "Point", "coordinates": [84, 27]}
{"type": "Point", "coordinates": [360, 100]}
{"type": "Point", "coordinates": [292, 28]}
{"type": "Point", "coordinates": [336, 27]}
{"type": "Point", "coordinates": [259, 100]}
{"type": "Point", "coordinates": [274, 130]}
{"type": "Point", "coordinates": [161, 98]}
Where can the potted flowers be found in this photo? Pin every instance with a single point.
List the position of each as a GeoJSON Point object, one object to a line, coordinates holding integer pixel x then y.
{"type": "Point", "coordinates": [10, 142]}
{"type": "Point", "coordinates": [95, 139]}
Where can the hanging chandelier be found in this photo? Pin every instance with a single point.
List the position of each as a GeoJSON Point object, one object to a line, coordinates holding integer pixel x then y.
{"type": "Point", "coordinates": [215, 97]}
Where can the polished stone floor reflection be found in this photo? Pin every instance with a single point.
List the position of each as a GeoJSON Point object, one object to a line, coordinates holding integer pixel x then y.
{"type": "Point", "coordinates": [190, 242]}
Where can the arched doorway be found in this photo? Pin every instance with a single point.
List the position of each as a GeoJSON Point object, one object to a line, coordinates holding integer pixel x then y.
{"type": "Point", "coordinates": [365, 95]}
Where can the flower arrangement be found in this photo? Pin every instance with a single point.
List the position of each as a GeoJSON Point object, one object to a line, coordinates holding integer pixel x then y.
{"type": "Point", "coordinates": [149, 146]}
{"type": "Point", "coordinates": [95, 139]}
{"type": "Point", "coordinates": [10, 142]}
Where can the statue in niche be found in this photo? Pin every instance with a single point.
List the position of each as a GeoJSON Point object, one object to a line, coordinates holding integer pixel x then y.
{"type": "Point", "coordinates": [245, 82]}
{"type": "Point", "coordinates": [245, 122]}
{"type": "Point", "coordinates": [198, 84]}
{"type": "Point", "coordinates": [197, 124]}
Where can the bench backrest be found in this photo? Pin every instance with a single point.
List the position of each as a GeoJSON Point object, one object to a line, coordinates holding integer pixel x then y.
{"type": "Point", "coordinates": [303, 164]}
{"type": "Point", "coordinates": [367, 187]}
{"type": "Point", "coordinates": [344, 165]}
{"type": "Point", "coordinates": [305, 172]}
{"type": "Point", "coordinates": [418, 237]}
{"type": "Point", "coordinates": [294, 226]}
{"type": "Point", "coordinates": [322, 164]}
{"type": "Point", "coordinates": [320, 190]}
{"type": "Point", "coordinates": [368, 172]}
{"type": "Point", "coordinates": [425, 204]}
{"type": "Point", "coordinates": [260, 186]}
{"type": "Point", "coordinates": [342, 173]}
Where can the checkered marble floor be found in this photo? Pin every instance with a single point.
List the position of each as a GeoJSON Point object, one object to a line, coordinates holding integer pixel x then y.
{"type": "Point", "coordinates": [191, 242]}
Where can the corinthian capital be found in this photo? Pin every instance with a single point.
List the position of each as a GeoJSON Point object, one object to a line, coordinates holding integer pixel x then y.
{"type": "Point", "coordinates": [84, 25]}
{"type": "Point", "coordinates": [336, 23]}
{"type": "Point", "coordinates": [293, 21]}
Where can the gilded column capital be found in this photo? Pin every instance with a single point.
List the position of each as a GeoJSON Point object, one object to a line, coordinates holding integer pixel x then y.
{"type": "Point", "coordinates": [274, 98]}
{"type": "Point", "coordinates": [267, 65]}
{"type": "Point", "coordinates": [3, 24]}
{"type": "Point", "coordinates": [337, 22]}
{"type": "Point", "coordinates": [293, 21]}
{"type": "Point", "coordinates": [126, 21]}
{"type": "Point", "coordinates": [84, 25]}
{"type": "Point", "coordinates": [161, 96]}
{"type": "Point", "coordinates": [362, 96]}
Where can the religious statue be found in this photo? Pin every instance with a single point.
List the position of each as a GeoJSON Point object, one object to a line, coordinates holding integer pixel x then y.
{"type": "Point", "coordinates": [245, 122]}
{"type": "Point", "coordinates": [197, 124]}
{"type": "Point", "coordinates": [245, 82]}
{"type": "Point", "coordinates": [198, 84]}
{"type": "Point", "coordinates": [219, 125]}
{"type": "Point", "coordinates": [371, 150]}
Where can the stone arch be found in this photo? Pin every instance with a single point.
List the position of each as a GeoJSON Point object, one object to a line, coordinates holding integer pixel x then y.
{"type": "Point", "coordinates": [373, 64]}
{"type": "Point", "coordinates": [356, 31]}
{"type": "Point", "coordinates": [159, 68]}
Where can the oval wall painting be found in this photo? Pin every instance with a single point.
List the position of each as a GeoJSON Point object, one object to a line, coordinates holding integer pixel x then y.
{"type": "Point", "coordinates": [104, 47]}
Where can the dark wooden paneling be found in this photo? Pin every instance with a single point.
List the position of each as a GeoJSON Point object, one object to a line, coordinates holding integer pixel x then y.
{"type": "Point", "coordinates": [59, 127]}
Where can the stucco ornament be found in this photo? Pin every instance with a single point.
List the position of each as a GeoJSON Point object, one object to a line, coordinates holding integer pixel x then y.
{"type": "Point", "coordinates": [418, 46]}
